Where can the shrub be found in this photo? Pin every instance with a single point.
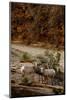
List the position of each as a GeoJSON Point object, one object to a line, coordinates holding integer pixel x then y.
{"type": "Point", "coordinates": [58, 91]}
{"type": "Point", "coordinates": [54, 59]}
{"type": "Point", "coordinates": [25, 56]}
{"type": "Point", "coordinates": [42, 59]}
{"type": "Point", "coordinates": [51, 59]}
{"type": "Point", "coordinates": [26, 81]}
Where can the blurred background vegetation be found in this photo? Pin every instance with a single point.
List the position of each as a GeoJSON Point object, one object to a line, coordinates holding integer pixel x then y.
{"type": "Point", "coordinates": [33, 23]}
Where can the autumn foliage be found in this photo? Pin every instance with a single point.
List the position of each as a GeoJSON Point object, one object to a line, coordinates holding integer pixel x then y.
{"type": "Point", "coordinates": [32, 23]}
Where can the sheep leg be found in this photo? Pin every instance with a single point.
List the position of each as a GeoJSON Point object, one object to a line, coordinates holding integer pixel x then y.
{"type": "Point", "coordinates": [42, 79]}
{"type": "Point", "coordinates": [52, 80]}
{"type": "Point", "coordinates": [33, 76]}
{"type": "Point", "coordinates": [46, 79]}
{"type": "Point", "coordinates": [39, 78]}
{"type": "Point", "coordinates": [23, 74]}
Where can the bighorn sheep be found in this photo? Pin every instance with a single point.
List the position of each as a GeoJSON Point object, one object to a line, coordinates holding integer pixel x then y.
{"type": "Point", "coordinates": [44, 73]}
